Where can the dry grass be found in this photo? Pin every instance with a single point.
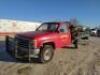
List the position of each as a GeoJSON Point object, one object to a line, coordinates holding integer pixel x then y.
{"type": "Point", "coordinates": [82, 61]}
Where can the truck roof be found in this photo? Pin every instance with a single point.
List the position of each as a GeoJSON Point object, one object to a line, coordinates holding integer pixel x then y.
{"type": "Point", "coordinates": [57, 22]}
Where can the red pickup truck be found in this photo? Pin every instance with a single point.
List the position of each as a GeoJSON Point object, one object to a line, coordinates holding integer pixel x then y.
{"type": "Point", "coordinates": [41, 43]}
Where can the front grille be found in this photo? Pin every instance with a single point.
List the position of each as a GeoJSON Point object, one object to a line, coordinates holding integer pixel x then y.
{"type": "Point", "coordinates": [23, 47]}
{"type": "Point", "coordinates": [22, 42]}
{"type": "Point", "coordinates": [22, 53]}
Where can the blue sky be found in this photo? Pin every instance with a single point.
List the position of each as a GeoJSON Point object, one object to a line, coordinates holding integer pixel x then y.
{"type": "Point", "coordinates": [86, 11]}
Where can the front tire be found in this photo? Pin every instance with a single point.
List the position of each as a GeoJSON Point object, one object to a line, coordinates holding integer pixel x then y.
{"type": "Point", "coordinates": [46, 53]}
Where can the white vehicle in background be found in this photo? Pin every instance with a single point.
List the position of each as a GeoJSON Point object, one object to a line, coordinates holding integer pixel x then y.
{"type": "Point", "coordinates": [95, 32]}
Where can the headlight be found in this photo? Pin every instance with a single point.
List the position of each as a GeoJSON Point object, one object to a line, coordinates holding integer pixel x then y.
{"type": "Point", "coordinates": [33, 44]}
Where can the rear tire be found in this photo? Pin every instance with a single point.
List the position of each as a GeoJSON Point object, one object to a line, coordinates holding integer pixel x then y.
{"type": "Point", "coordinates": [46, 53]}
{"type": "Point", "coordinates": [75, 44]}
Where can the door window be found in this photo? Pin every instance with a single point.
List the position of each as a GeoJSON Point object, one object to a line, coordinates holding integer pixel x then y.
{"type": "Point", "coordinates": [63, 28]}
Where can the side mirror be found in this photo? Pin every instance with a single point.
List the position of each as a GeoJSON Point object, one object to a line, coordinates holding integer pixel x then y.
{"type": "Point", "coordinates": [61, 30]}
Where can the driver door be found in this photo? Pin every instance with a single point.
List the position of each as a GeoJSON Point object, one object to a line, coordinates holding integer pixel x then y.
{"type": "Point", "coordinates": [64, 35]}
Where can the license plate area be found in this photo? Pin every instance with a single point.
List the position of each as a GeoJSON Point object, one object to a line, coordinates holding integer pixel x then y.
{"type": "Point", "coordinates": [22, 52]}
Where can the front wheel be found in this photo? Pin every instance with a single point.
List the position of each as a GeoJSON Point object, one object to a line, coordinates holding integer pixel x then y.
{"type": "Point", "coordinates": [46, 53]}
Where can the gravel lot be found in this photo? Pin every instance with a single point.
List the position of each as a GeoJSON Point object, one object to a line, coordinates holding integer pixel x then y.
{"type": "Point", "coordinates": [82, 61]}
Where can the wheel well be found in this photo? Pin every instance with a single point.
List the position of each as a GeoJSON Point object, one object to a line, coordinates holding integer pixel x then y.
{"type": "Point", "coordinates": [50, 43]}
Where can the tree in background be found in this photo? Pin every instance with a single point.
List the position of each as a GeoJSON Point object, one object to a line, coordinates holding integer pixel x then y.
{"type": "Point", "coordinates": [74, 21]}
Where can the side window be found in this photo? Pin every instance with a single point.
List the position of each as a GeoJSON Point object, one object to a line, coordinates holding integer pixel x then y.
{"type": "Point", "coordinates": [63, 28]}
{"type": "Point", "coordinates": [43, 27]}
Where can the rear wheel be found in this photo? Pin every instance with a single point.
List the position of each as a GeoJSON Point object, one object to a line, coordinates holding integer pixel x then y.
{"type": "Point", "coordinates": [75, 43]}
{"type": "Point", "coordinates": [46, 53]}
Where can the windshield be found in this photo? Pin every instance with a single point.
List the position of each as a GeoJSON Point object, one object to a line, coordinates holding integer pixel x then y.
{"type": "Point", "coordinates": [48, 27]}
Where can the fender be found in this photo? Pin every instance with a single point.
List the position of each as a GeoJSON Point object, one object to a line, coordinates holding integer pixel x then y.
{"type": "Point", "coordinates": [46, 41]}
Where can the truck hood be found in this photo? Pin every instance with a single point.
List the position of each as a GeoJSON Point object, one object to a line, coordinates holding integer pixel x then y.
{"type": "Point", "coordinates": [33, 34]}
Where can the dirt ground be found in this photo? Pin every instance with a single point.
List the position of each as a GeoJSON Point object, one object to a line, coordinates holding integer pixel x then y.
{"type": "Point", "coordinates": [82, 61]}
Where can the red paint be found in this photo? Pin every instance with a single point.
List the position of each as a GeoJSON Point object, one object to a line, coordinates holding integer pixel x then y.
{"type": "Point", "coordinates": [59, 39]}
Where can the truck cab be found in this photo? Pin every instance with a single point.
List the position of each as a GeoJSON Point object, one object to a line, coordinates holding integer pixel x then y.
{"type": "Point", "coordinates": [40, 43]}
